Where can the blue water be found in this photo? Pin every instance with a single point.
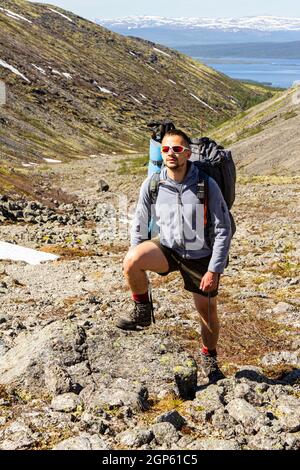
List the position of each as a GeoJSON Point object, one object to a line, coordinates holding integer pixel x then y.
{"type": "Point", "coordinates": [275, 72]}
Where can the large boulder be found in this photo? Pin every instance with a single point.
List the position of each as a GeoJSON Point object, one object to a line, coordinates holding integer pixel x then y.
{"type": "Point", "coordinates": [83, 441]}
{"type": "Point", "coordinates": [36, 358]}
{"type": "Point", "coordinates": [111, 368]}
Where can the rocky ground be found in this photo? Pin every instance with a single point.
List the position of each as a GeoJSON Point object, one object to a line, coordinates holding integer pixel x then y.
{"type": "Point", "coordinates": [69, 379]}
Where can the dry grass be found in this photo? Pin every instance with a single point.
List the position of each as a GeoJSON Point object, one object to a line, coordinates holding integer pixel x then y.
{"type": "Point", "coordinates": [246, 339]}
{"type": "Point", "coordinates": [70, 301]}
{"type": "Point", "coordinates": [60, 313]}
{"type": "Point", "coordinates": [285, 268]}
{"type": "Point", "coordinates": [114, 248]}
{"type": "Point", "coordinates": [66, 253]}
{"type": "Point", "coordinates": [157, 407]}
{"type": "Point", "coordinates": [186, 336]}
{"type": "Point", "coordinates": [51, 436]}
{"type": "Point", "coordinates": [278, 371]}
{"type": "Point", "coordinates": [3, 393]}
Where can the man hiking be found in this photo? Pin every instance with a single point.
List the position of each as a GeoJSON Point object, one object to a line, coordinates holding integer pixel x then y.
{"type": "Point", "coordinates": [187, 243]}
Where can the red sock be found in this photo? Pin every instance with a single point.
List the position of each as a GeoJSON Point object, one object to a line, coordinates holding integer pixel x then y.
{"type": "Point", "coordinates": [141, 298]}
{"type": "Point", "coordinates": [209, 352]}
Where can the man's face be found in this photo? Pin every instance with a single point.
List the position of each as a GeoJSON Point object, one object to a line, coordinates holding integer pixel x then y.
{"type": "Point", "coordinates": [175, 160]}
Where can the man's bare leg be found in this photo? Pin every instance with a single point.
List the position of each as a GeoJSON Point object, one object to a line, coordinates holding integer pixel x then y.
{"type": "Point", "coordinates": [209, 329]}
{"type": "Point", "coordinates": [144, 257]}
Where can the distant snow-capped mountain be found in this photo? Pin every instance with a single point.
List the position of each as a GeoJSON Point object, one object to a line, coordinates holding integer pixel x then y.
{"type": "Point", "coordinates": [183, 31]}
{"type": "Point", "coordinates": [260, 23]}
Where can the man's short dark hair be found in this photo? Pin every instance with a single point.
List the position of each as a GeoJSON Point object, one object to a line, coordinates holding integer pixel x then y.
{"type": "Point", "coordinates": [180, 133]}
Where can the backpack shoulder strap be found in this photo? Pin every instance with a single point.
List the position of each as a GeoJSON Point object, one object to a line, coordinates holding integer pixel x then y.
{"type": "Point", "coordinates": [154, 187]}
{"type": "Point", "coordinates": [202, 194]}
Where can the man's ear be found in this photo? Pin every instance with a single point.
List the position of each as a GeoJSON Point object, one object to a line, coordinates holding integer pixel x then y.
{"type": "Point", "coordinates": [189, 154]}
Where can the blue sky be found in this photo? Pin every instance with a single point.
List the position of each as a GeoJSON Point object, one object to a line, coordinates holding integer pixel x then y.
{"type": "Point", "coordinates": [211, 8]}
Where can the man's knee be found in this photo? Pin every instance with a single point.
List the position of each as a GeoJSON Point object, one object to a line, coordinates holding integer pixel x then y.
{"type": "Point", "coordinates": [131, 261]}
{"type": "Point", "coordinates": [145, 257]}
{"type": "Point", "coordinates": [202, 304]}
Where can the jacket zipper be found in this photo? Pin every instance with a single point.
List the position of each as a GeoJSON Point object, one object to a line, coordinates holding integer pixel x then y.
{"type": "Point", "coordinates": [180, 213]}
{"type": "Point", "coordinates": [180, 219]}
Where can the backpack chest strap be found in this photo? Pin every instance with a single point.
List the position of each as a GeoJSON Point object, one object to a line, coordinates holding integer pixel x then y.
{"type": "Point", "coordinates": [153, 188]}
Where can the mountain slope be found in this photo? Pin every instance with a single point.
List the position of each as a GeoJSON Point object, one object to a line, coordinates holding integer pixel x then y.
{"type": "Point", "coordinates": [75, 88]}
{"type": "Point", "coordinates": [266, 139]}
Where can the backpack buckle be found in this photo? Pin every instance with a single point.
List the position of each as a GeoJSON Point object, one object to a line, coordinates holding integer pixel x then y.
{"type": "Point", "coordinates": [201, 191]}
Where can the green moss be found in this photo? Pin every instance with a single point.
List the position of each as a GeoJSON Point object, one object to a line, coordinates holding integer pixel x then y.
{"type": "Point", "coordinates": [4, 171]}
{"type": "Point", "coordinates": [133, 165]}
{"type": "Point", "coordinates": [165, 359]}
{"type": "Point", "coordinates": [268, 179]}
{"type": "Point", "coordinates": [78, 412]}
{"type": "Point", "coordinates": [178, 369]}
{"type": "Point", "coordinates": [289, 115]}
{"type": "Point", "coordinates": [199, 408]}
{"type": "Point", "coordinates": [113, 411]}
{"type": "Point", "coordinates": [250, 132]}
{"type": "Point", "coordinates": [285, 268]}
{"type": "Point", "coordinates": [259, 280]}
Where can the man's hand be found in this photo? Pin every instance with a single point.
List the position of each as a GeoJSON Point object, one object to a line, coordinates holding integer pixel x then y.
{"type": "Point", "coordinates": [209, 282]}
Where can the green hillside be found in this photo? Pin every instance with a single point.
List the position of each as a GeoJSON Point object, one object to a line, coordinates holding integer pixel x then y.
{"type": "Point", "coordinates": [77, 88]}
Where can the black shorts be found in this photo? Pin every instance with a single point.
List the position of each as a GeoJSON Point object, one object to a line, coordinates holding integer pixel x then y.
{"type": "Point", "coordinates": [191, 270]}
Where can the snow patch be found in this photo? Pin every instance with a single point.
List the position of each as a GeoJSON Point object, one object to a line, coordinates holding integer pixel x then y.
{"type": "Point", "coordinates": [13, 69]}
{"type": "Point", "coordinates": [60, 14]}
{"type": "Point", "coordinates": [39, 69]}
{"type": "Point", "coordinates": [161, 52]}
{"type": "Point", "coordinates": [105, 90]}
{"type": "Point", "coordinates": [203, 102]}
{"type": "Point", "coordinates": [50, 160]}
{"type": "Point", "coordinates": [152, 68]}
{"type": "Point", "coordinates": [135, 99]}
{"type": "Point", "coordinates": [15, 16]}
{"type": "Point", "coordinates": [61, 74]}
{"type": "Point", "coordinates": [20, 253]}
{"type": "Point", "coordinates": [258, 23]}
{"type": "Point", "coordinates": [29, 164]}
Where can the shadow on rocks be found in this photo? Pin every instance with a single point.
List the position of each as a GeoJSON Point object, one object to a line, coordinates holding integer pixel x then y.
{"type": "Point", "coordinates": [256, 375]}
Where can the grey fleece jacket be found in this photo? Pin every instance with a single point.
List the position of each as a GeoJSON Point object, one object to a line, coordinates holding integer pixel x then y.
{"type": "Point", "coordinates": [179, 216]}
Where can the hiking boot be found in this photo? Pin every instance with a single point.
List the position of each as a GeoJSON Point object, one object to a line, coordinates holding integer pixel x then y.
{"type": "Point", "coordinates": [210, 368]}
{"type": "Point", "coordinates": [139, 316]}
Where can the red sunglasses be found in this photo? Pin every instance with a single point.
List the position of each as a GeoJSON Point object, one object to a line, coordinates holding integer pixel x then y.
{"type": "Point", "coordinates": [175, 148]}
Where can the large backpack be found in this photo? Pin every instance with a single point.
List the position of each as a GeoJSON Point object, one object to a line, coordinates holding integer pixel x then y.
{"type": "Point", "coordinates": [159, 129]}
{"type": "Point", "coordinates": [212, 159]}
